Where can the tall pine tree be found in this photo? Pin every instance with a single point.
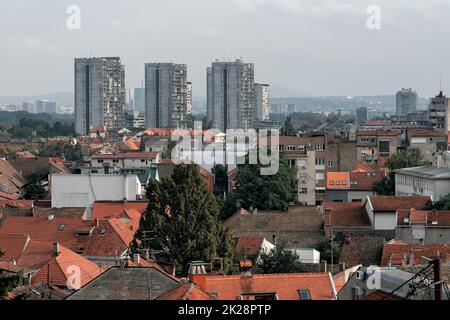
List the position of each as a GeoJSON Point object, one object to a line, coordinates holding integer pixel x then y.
{"type": "Point", "coordinates": [181, 222]}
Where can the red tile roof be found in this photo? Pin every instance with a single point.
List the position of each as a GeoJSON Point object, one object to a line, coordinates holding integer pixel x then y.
{"type": "Point", "coordinates": [389, 203]}
{"type": "Point", "coordinates": [285, 286]}
{"type": "Point", "coordinates": [398, 253]}
{"type": "Point", "coordinates": [110, 238]}
{"type": "Point", "coordinates": [8, 196]}
{"type": "Point", "coordinates": [365, 180]}
{"type": "Point", "coordinates": [346, 214]}
{"type": "Point", "coordinates": [432, 218]}
{"type": "Point", "coordinates": [103, 210]}
{"type": "Point", "coordinates": [38, 256]}
{"type": "Point", "coordinates": [60, 269]}
{"type": "Point", "coordinates": [427, 133]}
{"type": "Point", "coordinates": [249, 245]}
{"type": "Point", "coordinates": [362, 167]}
{"type": "Point", "coordinates": [187, 291]}
{"type": "Point", "coordinates": [20, 203]}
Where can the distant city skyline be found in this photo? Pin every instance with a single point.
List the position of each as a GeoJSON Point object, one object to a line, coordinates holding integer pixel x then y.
{"type": "Point", "coordinates": [314, 47]}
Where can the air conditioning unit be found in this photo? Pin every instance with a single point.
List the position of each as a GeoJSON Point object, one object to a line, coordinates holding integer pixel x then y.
{"type": "Point", "coordinates": [360, 275]}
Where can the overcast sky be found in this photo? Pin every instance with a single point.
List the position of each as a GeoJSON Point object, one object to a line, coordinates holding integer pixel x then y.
{"type": "Point", "coordinates": [318, 47]}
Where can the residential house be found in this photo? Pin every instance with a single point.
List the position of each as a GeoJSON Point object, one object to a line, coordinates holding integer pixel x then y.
{"type": "Point", "coordinates": [104, 242]}
{"type": "Point", "coordinates": [82, 190]}
{"type": "Point", "coordinates": [40, 262]}
{"type": "Point", "coordinates": [397, 253]}
{"type": "Point", "coordinates": [375, 147]}
{"type": "Point", "coordinates": [429, 142]}
{"type": "Point", "coordinates": [375, 283]}
{"type": "Point", "coordinates": [248, 286]}
{"type": "Point", "coordinates": [11, 181]}
{"type": "Point", "coordinates": [299, 227]}
{"type": "Point", "coordinates": [128, 283]}
{"type": "Point", "coordinates": [423, 226]}
{"type": "Point", "coordinates": [352, 186]}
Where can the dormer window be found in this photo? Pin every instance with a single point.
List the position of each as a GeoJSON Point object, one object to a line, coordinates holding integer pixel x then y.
{"type": "Point", "coordinates": [61, 227]}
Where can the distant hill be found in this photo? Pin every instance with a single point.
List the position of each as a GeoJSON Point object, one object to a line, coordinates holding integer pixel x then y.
{"type": "Point", "coordinates": [284, 92]}
{"type": "Point", "coordinates": [63, 98]}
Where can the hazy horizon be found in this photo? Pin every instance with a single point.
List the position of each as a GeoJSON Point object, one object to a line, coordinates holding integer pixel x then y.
{"type": "Point", "coordinates": [315, 47]}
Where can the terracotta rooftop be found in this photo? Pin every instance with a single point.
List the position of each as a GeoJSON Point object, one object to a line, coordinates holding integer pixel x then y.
{"type": "Point", "coordinates": [187, 291]}
{"type": "Point", "coordinates": [109, 238]}
{"type": "Point", "coordinates": [432, 218]}
{"type": "Point", "coordinates": [346, 214]}
{"type": "Point", "coordinates": [427, 133]}
{"type": "Point", "coordinates": [391, 203]}
{"type": "Point", "coordinates": [365, 180]}
{"type": "Point", "coordinates": [103, 210]}
{"type": "Point", "coordinates": [38, 256]}
{"type": "Point", "coordinates": [397, 253]}
{"type": "Point", "coordinates": [285, 286]}
{"type": "Point", "coordinates": [249, 245]}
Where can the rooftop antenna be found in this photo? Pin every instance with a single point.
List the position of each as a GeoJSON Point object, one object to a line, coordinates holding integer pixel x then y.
{"type": "Point", "coordinates": [440, 83]}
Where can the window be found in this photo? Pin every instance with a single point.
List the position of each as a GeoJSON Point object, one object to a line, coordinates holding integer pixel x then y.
{"type": "Point", "coordinates": [331, 182]}
{"type": "Point", "coordinates": [302, 191]}
{"type": "Point", "coordinates": [320, 176]}
{"type": "Point", "coordinates": [100, 161]}
{"type": "Point", "coordinates": [115, 161]}
{"type": "Point", "coordinates": [61, 227]}
{"type": "Point", "coordinates": [103, 231]}
{"type": "Point", "coordinates": [304, 294]}
{"type": "Point", "coordinates": [344, 183]}
{"type": "Point", "coordinates": [290, 147]}
{"type": "Point", "coordinates": [301, 147]}
{"type": "Point", "coordinates": [338, 183]}
{"type": "Point", "coordinates": [142, 160]}
{"type": "Point", "coordinates": [329, 164]}
{"type": "Point", "coordinates": [302, 163]}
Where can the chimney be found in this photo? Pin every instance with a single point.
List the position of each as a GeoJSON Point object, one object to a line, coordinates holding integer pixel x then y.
{"type": "Point", "coordinates": [245, 268]}
{"type": "Point", "coordinates": [146, 254]}
{"type": "Point", "coordinates": [197, 274]}
{"type": "Point", "coordinates": [122, 264]}
{"type": "Point", "coordinates": [97, 222]}
{"type": "Point", "coordinates": [137, 258]}
{"type": "Point", "coordinates": [274, 239]}
{"type": "Point", "coordinates": [56, 249]}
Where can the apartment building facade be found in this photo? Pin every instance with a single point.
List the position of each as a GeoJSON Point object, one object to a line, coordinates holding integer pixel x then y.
{"type": "Point", "coordinates": [375, 147]}
{"type": "Point", "coordinates": [262, 101]}
{"type": "Point", "coordinates": [230, 95]}
{"type": "Point", "coordinates": [166, 95]}
{"type": "Point", "coordinates": [438, 112]}
{"type": "Point", "coordinates": [99, 94]}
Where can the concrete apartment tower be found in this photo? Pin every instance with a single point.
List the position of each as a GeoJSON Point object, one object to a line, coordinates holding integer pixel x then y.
{"type": "Point", "coordinates": [99, 94]}
{"type": "Point", "coordinates": [166, 102]}
{"type": "Point", "coordinates": [231, 95]}
{"type": "Point", "coordinates": [262, 101]}
{"type": "Point", "coordinates": [189, 97]}
{"type": "Point", "coordinates": [406, 101]}
{"type": "Point", "coordinates": [438, 112]}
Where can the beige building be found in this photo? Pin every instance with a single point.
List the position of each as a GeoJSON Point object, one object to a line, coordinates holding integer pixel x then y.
{"type": "Point", "coordinates": [375, 147]}
{"type": "Point", "coordinates": [430, 143]}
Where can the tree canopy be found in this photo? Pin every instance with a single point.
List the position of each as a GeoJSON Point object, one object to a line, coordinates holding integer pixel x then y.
{"type": "Point", "coordinates": [402, 159]}
{"type": "Point", "coordinates": [280, 260]}
{"type": "Point", "coordinates": [442, 204]}
{"type": "Point", "coordinates": [264, 192]}
{"type": "Point", "coordinates": [288, 128]}
{"type": "Point", "coordinates": [34, 190]}
{"type": "Point", "coordinates": [324, 247]}
{"type": "Point", "coordinates": [181, 223]}
{"type": "Point", "coordinates": [7, 283]}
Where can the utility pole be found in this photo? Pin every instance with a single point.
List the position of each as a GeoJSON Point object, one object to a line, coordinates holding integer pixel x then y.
{"type": "Point", "coordinates": [437, 279]}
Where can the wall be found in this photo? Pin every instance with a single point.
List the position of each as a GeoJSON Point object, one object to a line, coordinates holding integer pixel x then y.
{"type": "Point", "coordinates": [385, 220]}
{"type": "Point", "coordinates": [79, 190]}
{"type": "Point", "coordinates": [433, 235]}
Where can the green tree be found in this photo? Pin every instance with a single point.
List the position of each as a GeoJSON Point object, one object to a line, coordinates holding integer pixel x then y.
{"type": "Point", "coordinates": [288, 128]}
{"type": "Point", "coordinates": [324, 247]}
{"type": "Point", "coordinates": [402, 159]}
{"type": "Point", "coordinates": [279, 260]}
{"type": "Point", "coordinates": [7, 283]}
{"type": "Point", "coordinates": [442, 204]}
{"type": "Point", "coordinates": [220, 173]}
{"type": "Point", "coordinates": [34, 190]}
{"type": "Point", "coordinates": [181, 222]}
{"type": "Point", "coordinates": [264, 192]}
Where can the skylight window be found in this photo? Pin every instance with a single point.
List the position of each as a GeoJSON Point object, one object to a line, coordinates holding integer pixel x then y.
{"type": "Point", "coordinates": [304, 294]}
